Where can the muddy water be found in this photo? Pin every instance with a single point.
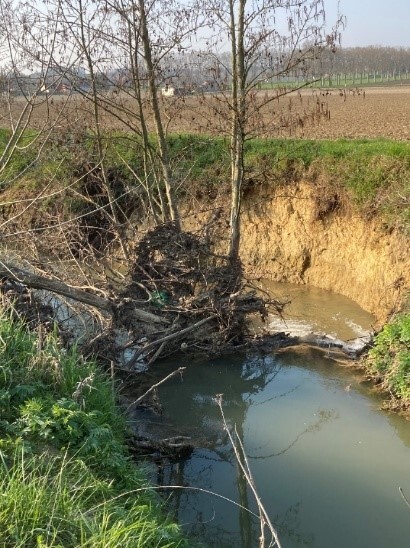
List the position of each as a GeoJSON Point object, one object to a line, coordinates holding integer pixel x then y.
{"type": "Point", "coordinates": [313, 310]}
{"type": "Point", "coordinates": [326, 461]}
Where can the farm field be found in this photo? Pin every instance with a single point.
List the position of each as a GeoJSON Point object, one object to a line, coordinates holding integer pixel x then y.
{"type": "Point", "coordinates": [367, 113]}
{"type": "Point", "coordinates": [371, 112]}
{"type": "Point", "coordinates": [378, 112]}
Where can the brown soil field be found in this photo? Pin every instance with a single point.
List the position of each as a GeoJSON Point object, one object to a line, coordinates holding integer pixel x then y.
{"type": "Point", "coordinates": [369, 113]}
{"type": "Point", "coordinates": [375, 113]}
{"type": "Point", "coordinates": [353, 113]}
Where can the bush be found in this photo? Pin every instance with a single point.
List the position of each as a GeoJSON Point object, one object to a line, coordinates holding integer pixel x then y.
{"type": "Point", "coordinates": [390, 357]}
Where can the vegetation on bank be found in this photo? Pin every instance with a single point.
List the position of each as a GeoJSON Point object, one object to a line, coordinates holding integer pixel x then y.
{"type": "Point", "coordinates": [372, 175]}
{"type": "Point", "coordinates": [65, 476]}
{"type": "Point", "coordinates": [389, 360]}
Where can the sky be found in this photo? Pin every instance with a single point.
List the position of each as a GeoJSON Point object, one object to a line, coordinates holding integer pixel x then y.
{"type": "Point", "coordinates": [372, 22]}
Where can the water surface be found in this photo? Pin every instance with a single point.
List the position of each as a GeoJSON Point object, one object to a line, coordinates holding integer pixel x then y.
{"type": "Point", "coordinates": [326, 461]}
{"type": "Point", "coordinates": [311, 309]}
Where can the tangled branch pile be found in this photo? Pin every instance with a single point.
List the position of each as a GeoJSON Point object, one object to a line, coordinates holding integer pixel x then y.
{"type": "Point", "coordinates": [180, 296]}
{"type": "Point", "coordinates": [199, 293]}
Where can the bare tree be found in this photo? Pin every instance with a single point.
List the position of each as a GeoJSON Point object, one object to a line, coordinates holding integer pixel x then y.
{"type": "Point", "coordinates": [124, 45]}
{"type": "Point", "coordinates": [22, 95]}
{"type": "Point", "coordinates": [270, 42]}
{"type": "Point", "coordinates": [114, 55]}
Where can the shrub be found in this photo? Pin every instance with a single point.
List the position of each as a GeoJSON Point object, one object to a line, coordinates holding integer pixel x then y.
{"type": "Point", "coordinates": [390, 357]}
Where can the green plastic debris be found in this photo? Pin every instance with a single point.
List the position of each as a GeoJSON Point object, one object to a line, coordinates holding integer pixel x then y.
{"type": "Point", "coordinates": [160, 298]}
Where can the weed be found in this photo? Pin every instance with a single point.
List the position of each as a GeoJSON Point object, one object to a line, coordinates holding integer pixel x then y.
{"type": "Point", "coordinates": [65, 476]}
{"type": "Point", "coordinates": [390, 357]}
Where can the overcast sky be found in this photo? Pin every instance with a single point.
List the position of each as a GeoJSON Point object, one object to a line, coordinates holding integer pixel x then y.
{"type": "Point", "coordinates": [373, 22]}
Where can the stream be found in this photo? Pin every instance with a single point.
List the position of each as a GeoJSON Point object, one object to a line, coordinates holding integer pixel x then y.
{"type": "Point", "coordinates": [327, 463]}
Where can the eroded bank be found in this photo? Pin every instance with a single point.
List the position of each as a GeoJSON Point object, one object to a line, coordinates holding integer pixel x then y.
{"type": "Point", "coordinates": [287, 235]}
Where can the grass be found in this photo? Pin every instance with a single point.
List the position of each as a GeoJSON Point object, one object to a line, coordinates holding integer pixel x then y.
{"type": "Point", "coordinates": [362, 165]}
{"type": "Point", "coordinates": [309, 151]}
{"type": "Point", "coordinates": [65, 475]}
{"type": "Point", "coordinates": [389, 359]}
{"type": "Point", "coordinates": [55, 501]}
{"type": "Point", "coordinates": [373, 175]}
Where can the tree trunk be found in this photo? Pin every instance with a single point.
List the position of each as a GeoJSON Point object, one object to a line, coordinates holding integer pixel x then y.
{"type": "Point", "coordinates": [149, 164]}
{"type": "Point", "coordinates": [238, 122]}
{"type": "Point", "coordinates": [162, 142]}
{"type": "Point", "coordinates": [56, 286]}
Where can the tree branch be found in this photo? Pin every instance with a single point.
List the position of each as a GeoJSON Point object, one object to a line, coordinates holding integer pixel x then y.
{"type": "Point", "coordinates": [154, 386]}
{"type": "Point", "coordinates": [56, 286]}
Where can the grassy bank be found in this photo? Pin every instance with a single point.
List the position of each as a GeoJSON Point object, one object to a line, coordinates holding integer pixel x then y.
{"type": "Point", "coordinates": [389, 360]}
{"type": "Point", "coordinates": [372, 176]}
{"type": "Point", "coordinates": [65, 476]}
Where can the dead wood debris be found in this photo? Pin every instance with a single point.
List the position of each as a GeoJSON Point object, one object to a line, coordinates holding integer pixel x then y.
{"type": "Point", "coordinates": [15, 297]}
{"type": "Point", "coordinates": [174, 448]}
{"type": "Point", "coordinates": [201, 294]}
{"type": "Point", "coordinates": [180, 296]}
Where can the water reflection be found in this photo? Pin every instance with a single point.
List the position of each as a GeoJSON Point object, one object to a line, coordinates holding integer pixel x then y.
{"type": "Point", "coordinates": [243, 380]}
{"type": "Point", "coordinates": [318, 453]}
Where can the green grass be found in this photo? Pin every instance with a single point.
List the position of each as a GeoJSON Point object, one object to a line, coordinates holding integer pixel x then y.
{"type": "Point", "coordinates": [50, 500]}
{"type": "Point", "coordinates": [372, 174]}
{"type": "Point", "coordinates": [307, 151]}
{"type": "Point", "coordinates": [65, 475]}
{"type": "Point", "coordinates": [390, 357]}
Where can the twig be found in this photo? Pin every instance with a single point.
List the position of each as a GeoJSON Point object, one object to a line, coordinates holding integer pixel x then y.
{"type": "Point", "coordinates": [157, 353]}
{"type": "Point", "coordinates": [404, 497]}
{"type": "Point", "coordinates": [154, 386]}
{"type": "Point", "coordinates": [147, 348]}
{"type": "Point", "coordinates": [244, 465]}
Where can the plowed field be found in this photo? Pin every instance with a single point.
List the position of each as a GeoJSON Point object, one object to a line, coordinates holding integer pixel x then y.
{"type": "Point", "coordinates": [379, 112]}
{"type": "Point", "coordinates": [370, 113]}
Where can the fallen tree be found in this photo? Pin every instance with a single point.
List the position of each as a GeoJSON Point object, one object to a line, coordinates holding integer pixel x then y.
{"type": "Point", "coordinates": [34, 281]}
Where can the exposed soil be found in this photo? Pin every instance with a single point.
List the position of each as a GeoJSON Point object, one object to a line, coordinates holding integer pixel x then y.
{"type": "Point", "coordinates": [284, 240]}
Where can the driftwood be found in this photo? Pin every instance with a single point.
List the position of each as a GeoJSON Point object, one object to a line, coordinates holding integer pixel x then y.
{"type": "Point", "coordinates": [35, 281]}
{"type": "Point", "coordinates": [175, 285]}
{"type": "Point", "coordinates": [180, 370]}
{"type": "Point", "coordinates": [175, 447]}
{"type": "Point", "coordinates": [167, 338]}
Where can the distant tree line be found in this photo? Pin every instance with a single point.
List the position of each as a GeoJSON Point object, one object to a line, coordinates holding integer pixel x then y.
{"type": "Point", "coordinates": [368, 60]}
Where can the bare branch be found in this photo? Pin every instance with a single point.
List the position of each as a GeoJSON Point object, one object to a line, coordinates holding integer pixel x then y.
{"type": "Point", "coordinates": [167, 338]}
{"type": "Point", "coordinates": [56, 286]}
{"type": "Point", "coordinates": [244, 466]}
{"type": "Point", "coordinates": [180, 370]}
